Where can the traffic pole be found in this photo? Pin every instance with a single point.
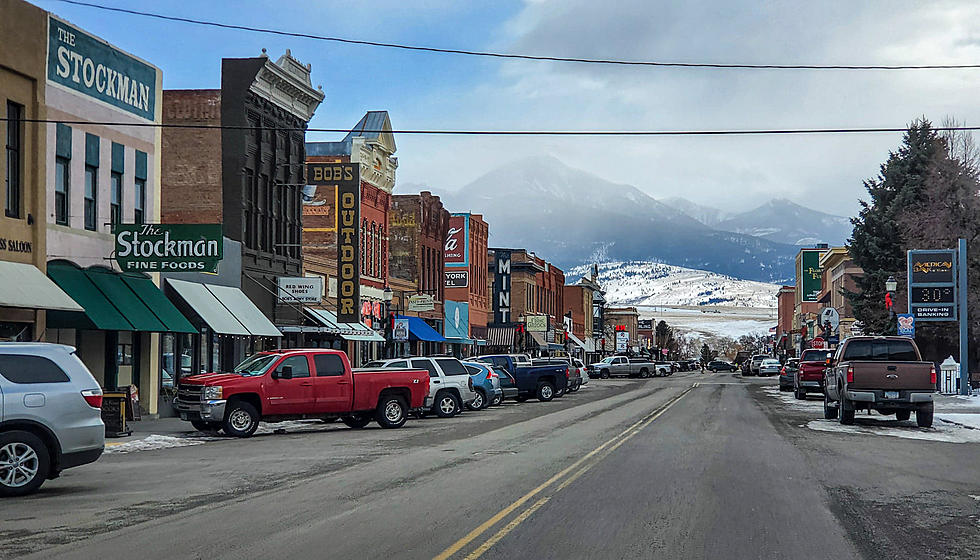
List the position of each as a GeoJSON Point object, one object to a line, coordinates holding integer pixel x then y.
{"type": "Point", "coordinates": [964, 340]}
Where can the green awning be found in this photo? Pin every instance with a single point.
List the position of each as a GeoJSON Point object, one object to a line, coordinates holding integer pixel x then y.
{"type": "Point", "coordinates": [123, 298]}
{"type": "Point", "coordinates": [99, 313]}
{"type": "Point", "coordinates": [159, 304]}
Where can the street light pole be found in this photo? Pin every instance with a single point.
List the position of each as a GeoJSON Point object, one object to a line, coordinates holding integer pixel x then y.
{"type": "Point", "coordinates": [389, 327]}
{"type": "Point", "coordinates": [891, 286]}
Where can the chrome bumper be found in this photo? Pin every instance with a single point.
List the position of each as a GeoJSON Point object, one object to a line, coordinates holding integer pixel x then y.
{"type": "Point", "coordinates": [210, 410]}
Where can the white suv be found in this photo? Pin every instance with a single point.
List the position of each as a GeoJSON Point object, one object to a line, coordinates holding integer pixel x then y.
{"type": "Point", "coordinates": [50, 415]}
{"type": "Point", "coordinates": [450, 385]}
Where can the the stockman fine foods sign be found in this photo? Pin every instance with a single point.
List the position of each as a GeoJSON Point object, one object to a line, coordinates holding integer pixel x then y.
{"type": "Point", "coordinates": [92, 67]}
{"type": "Point", "coordinates": [168, 247]}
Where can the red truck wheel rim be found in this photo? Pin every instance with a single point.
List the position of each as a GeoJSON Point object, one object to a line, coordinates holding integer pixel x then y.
{"type": "Point", "coordinates": [241, 420]}
{"type": "Point", "coordinates": [393, 412]}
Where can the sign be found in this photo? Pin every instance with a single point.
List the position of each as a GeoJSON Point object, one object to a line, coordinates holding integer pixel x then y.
{"type": "Point", "coordinates": [830, 315]}
{"type": "Point", "coordinates": [645, 324]}
{"type": "Point", "coordinates": [501, 287]}
{"type": "Point", "coordinates": [168, 247]}
{"type": "Point", "coordinates": [90, 66]}
{"type": "Point", "coordinates": [400, 332]}
{"type": "Point", "coordinates": [932, 292]}
{"type": "Point", "coordinates": [622, 340]}
{"type": "Point", "coordinates": [818, 343]}
{"type": "Point", "coordinates": [457, 249]}
{"type": "Point", "coordinates": [321, 198]}
{"type": "Point", "coordinates": [16, 246]}
{"type": "Point", "coordinates": [536, 323]}
{"type": "Point", "coordinates": [305, 289]}
{"type": "Point", "coordinates": [906, 325]}
{"type": "Point", "coordinates": [811, 277]}
{"type": "Point", "coordinates": [620, 328]}
{"type": "Point", "coordinates": [421, 302]}
{"type": "Point", "coordinates": [348, 247]}
{"type": "Point", "coordinates": [457, 278]}
{"type": "Point", "coordinates": [457, 319]}
{"type": "Point", "coordinates": [664, 352]}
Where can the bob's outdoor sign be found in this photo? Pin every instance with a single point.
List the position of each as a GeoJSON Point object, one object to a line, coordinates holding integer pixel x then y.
{"type": "Point", "coordinates": [168, 247]}
{"type": "Point", "coordinates": [348, 248]}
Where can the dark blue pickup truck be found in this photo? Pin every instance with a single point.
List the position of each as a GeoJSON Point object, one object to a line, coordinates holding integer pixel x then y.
{"type": "Point", "coordinates": [543, 382]}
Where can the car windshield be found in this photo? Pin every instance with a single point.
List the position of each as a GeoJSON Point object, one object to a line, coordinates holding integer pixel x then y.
{"type": "Point", "coordinates": [255, 365]}
{"type": "Point", "coordinates": [815, 355]}
{"type": "Point", "coordinates": [608, 360]}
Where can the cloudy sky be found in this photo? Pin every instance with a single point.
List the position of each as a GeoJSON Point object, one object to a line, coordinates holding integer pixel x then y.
{"type": "Point", "coordinates": [432, 91]}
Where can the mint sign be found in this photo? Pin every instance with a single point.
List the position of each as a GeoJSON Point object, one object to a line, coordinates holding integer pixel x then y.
{"type": "Point", "coordinates": [168, 247]}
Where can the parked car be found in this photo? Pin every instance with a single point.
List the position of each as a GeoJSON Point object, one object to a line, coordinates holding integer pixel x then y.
{"type": "Point", "coordinates": [583, 370]}
{"type": "Point", "coordinates": [450, 386]}
{"type": "Point", "coordinates": [756, 362]}
{"type": "Point", "coordinates": [543, 382]}
{"type": "Point", "coordinates": [486, 383]}
{"type": "Point", "coordinates": [809, 378]}
{"type": "Point", "coordinates": [769, 366]}
{"type": "Point", "coordinates": [665, 368]}
{"type": "Point", "coordinates": [787, 375]}
{"type": "Point", "coordinates": [715, 366]}
{"type": "Point", "coordinates": [294, 384]}
{"type": "Point", "coordinates": [883, 373]}
{"type": "Point", "coordinates": [574, 375]}
{"type": "Point", "coordinates": [50, 415]}
{"type": "Point", "coordinates": [508, 385]}
{"type": "Point", "coordinates": [615, 366]}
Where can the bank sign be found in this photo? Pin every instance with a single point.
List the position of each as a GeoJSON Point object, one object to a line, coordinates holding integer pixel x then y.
{"type": "Point", "coordinates": [168, 247]}
{"type": "Point", "coordinates": [932, 289]}
{"type": "Point", "coordinates": [91, 67]}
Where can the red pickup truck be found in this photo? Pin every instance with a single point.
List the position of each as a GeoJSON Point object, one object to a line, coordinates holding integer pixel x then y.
{"type": "Point", "coordinates": [810, 373]}
{"type": "Point", "coordinates": [298, 384]}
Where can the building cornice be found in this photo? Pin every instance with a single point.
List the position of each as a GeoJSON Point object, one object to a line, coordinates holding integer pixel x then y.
{"type": "Point", "coordinates": [286, 83]}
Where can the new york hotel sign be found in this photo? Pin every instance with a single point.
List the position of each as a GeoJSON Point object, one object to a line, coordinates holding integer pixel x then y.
{"type": "Point", "coordinates": [340, 184]}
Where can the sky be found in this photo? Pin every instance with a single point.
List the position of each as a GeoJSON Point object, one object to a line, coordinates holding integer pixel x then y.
{"type": "Point", "coordinates": [441, 91]}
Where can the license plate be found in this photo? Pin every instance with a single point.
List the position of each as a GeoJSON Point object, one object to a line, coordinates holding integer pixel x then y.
{"type": "Point", "coordinates": [891, 394]}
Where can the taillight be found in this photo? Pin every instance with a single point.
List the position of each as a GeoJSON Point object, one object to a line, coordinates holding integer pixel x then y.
{"type": "Point", "coordinates": [470, 382]}
{"type": "Point", "coordinates": [932, 375]}
{"type": "Point", "coordinates": [490, 375]}
{"type": "Point", "coordinates": [850, 374]}
{"type": "Point", "coordinates": [783, 370]}
{"type": "Point", "coordinates": [93, 397]}
{"type": "Point", "coordinates": [566, 373]}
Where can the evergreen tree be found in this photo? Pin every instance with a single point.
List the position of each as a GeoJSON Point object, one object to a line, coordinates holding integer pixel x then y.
{"type": "Point", "coordinates": [877, 243]}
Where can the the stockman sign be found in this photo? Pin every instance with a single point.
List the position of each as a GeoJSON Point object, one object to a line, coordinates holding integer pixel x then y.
{"type": "Point", "coordinates": [168, 247]}
{"type": "Point", "coordinates": [92, 67]}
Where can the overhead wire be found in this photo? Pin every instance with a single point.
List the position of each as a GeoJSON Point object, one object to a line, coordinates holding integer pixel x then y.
{"type": "Point", "coordinates": [518, 56]}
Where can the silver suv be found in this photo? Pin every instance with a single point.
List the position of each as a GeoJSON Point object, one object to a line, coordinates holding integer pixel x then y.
{"type": "Point", "coordinates": [50, 415]}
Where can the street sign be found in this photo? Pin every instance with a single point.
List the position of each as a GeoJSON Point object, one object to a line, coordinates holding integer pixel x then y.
{"type": "Point", "coordinates": [818, 343]}
{"type": "Point", "coordinates": [932, 291]}
{"type": "Point", "coordinates": [830, 315]}
{"type": "Point", "coordinates": [906, 325]}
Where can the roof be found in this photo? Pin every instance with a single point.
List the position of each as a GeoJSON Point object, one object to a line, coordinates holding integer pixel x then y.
{"type": "Point", "coordinates": [374, 125]}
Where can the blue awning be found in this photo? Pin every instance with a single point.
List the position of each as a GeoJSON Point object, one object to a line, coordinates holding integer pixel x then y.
{"type": "Point", "coordinates": [454, 340]}
{"type": "Point", "coordinates": [420, 330]}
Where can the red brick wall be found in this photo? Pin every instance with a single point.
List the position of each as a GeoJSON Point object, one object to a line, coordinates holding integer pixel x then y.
{"type": "Point", "coordinates": [191, 158]}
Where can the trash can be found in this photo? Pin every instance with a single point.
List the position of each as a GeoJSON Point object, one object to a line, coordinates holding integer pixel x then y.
{"type": "Point", "coordinates": [114, 404]}
{"type": "Point", "coordinates": [950, 381]}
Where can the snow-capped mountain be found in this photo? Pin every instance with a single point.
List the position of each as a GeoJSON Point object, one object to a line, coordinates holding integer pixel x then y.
{"type": "Point", "coordinates": [707, 215]}
{"type": "Point", "coordinates": [652, 283]}
{"type": "Point", "coordinates": [785, 221]}
{"type": "Point", "coordinates": [571, 217]}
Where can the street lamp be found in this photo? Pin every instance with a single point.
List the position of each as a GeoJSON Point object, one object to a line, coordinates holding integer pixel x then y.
{"type": "Point", "coordinates": [891, 286]}
{"type": "Point", "coordinates": [386, 296]}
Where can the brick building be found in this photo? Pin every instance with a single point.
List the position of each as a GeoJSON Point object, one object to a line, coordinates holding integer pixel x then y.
{"type": "Point", "coordinates": [809, 284]}
{"type": "Point", "coordinates": [465, 251]}
{"type": "Point", "coordinates": [417, 231]}
{"type": "Point", "coordinates": [839, 273]}
{"type": "Point", "coordinates": [533, 287]}
{"type": "Point", "coordinates": [786, 304]}
{"type": "Point", "coordinates": [627, 317]}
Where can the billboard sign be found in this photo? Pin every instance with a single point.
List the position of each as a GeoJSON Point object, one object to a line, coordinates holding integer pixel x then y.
{"type": "Point", "coordinates": [92, 67]}
{"type": "Point", "coordinates": [932, 292]}
{"type": "Point", "coordinates": [501, 287]}
{"type": "Point", "coordinates": [168, 247]}
{"type": "Point", "coordinates": [457, 278]}
{"type": "Point", "coordinates": [457, 249]}
{"type": "Point", "coordinates": [304, 289]}
{"type": "Point", "coordinates": [348, 246]}
{"type": "Point", "coordinates": [810, 275]}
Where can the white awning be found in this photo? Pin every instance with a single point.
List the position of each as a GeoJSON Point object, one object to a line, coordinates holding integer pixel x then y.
{"type": "Point", "coordinates": [203, 302]}
{"type": "Point", "coordinates": [578, 342]}
{"type": "Point", "coordinates": [348, 331]}
{"type": "Point", "coordinates": [25, 286]}
{"type": "Point", "coordinates": [244, 310]}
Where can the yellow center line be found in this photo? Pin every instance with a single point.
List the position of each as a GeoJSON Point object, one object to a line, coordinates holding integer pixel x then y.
{"type": "Point", "coordinates": [626, 434]}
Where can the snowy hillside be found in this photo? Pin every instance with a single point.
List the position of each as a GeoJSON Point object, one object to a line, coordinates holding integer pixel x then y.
{"type": "Point", "coordinates": [650, 283]}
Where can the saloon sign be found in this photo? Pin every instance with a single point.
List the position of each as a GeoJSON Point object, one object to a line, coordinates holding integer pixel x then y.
{"type": "Point", "coordinates": [168, 247]}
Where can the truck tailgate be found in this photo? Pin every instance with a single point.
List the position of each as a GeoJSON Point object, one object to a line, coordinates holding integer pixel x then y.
{"type": "Point", "coordinates": [914, 376]}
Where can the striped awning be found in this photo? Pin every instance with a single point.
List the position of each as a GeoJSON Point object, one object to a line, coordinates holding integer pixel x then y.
{"type": "Point", "coordinates": [500, 336]}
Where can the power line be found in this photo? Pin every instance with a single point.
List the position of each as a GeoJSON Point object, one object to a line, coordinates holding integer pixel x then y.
{"type": "Point", "coordinates": [436, 132]}
{"type": "Point", "coordinates": [490, 54]}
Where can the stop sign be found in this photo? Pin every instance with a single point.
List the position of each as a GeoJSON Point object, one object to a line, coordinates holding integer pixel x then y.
{"type": "Point", "coordinates": [818, 343]}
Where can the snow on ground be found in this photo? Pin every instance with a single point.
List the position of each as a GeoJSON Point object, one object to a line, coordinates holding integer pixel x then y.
{"type": "Point", "coordinates": [968, 420]}
{"type": "Point", "coordinates": [958, 401]}
{"type": "Point", "coordinates": [870, 426]}
{"type": "Point", "coordinates": [788, 399]}
{"type": "Point", "coordinates": [156, 441]}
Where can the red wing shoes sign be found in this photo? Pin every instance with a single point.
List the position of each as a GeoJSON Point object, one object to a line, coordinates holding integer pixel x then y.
{"type": "Point", "coordinates": [168, 247]}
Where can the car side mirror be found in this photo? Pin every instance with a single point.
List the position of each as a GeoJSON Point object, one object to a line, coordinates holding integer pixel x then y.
{"type": "Point", "coordinates": [285, 373]}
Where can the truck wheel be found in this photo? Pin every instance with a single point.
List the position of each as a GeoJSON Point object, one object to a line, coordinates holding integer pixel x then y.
{"type": "Point", "coordinates": [391, 412]}
{"type": "Point", "coordinates": [204, 426]}
{"type": "Point", "coordinates": [903, 415]}
{"type": "Point", "coordinates": [479, 403]}
{"type": "Point", "coordinates": [829, 412]}
{"type": "Point", "coordinates": [546, 392]}
{"type": "Point", "coordinates": [644, 373]}
{"type": "Point", "coordinates": [24, 463]}
{"type": "Point", "coordinates": [561, 392]}
{"type": "Point", "coordinates": [604, 374]}
{"type": "Point", "coordinates": [923, 416]}
{"type": "Point", "coordinates": [799, 393]}
{"type": "Point", "coordinates": [846, 410]}
{"type": "Point", "coordinates": [358, 421]}
{"type": "Point", "coordinates": [447, 405]}
{"type": "Point", "coordinates": [241, 419]}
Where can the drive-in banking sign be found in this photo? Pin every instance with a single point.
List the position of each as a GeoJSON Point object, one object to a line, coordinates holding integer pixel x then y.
{"type": "Point", "coordinates": [168, 247]}
{"type": "Point", "coordinates": [87, 65]}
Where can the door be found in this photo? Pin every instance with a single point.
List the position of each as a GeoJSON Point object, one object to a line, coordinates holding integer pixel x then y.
{"type": "Point", "coordinates": [619, 367]}
{"type": "Point", "coordinates": [291, 396]}
{"type": "Point", "coordinates": [455, 375]}
{"type": "Point", "coordinates": [435, 382]}
{"type": "Point", "coordinates": [333, 387]}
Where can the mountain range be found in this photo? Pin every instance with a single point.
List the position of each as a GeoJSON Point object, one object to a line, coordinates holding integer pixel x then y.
{"type": "Point", "coordinates": [572, 217]}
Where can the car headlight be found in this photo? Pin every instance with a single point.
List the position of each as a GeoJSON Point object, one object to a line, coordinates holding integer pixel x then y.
{"type": "Point", "coordinates": [212, 392]}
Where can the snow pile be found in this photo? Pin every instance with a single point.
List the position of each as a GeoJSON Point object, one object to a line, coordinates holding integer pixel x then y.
{"type": "Point", "coordinates": [653, 283]}
{"type": "Point", "coordinates": [966, 420]}
{"type": "Point", "coordinates": [941, 432]}
{"type": "Point", "coordinates": [787, 398]}
{"type": "Point", "coordinates": [156, 441]}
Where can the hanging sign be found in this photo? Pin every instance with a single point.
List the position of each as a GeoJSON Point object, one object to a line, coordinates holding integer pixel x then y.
{"type": "Point", "coordinates": [421, 302]}
{"type": "Point", "coordinates": [348, 247]}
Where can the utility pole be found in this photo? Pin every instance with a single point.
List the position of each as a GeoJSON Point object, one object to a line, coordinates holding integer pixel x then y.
{"type": "Point", "coordinates": [964, 309]}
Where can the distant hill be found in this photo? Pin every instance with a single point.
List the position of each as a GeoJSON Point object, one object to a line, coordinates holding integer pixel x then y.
{"type": "Point", "coordinates": [784, 221]}
{"type": "Point", "coordinates": [707, 215]}
{"type": "Point", "coordinates": [573, 217]}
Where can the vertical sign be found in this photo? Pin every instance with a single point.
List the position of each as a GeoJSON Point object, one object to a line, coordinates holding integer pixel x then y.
{"type": "Point", "coordinates": [810, 275]}
{"type": "Point", "coordinates": [347, 177]}
{"type": "Point", "coordinates": [457, 247]}
{"type": "Point", "coordinates": [932, 284]}
{"type": "Point", "coordinates": [501, 287]}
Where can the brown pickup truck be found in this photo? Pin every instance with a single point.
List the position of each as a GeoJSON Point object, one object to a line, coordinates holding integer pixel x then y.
{"type": "Point", "coordinates": [884, 373]}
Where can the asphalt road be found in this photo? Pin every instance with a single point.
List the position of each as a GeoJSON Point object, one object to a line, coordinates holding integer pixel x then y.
{"type": "Point", "coordinates": [691, 466]}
